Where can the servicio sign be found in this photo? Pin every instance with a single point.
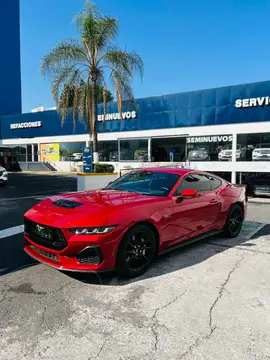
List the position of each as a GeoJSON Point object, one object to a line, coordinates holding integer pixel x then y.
{"type": "Point", "coordinates": [26, 125]}
{"type": "Point", "coordinates": [252, 102]}
{"type": "Point", "coordinates": [209, 139]}
{"type": "Point", "coordinates": [117, 116]}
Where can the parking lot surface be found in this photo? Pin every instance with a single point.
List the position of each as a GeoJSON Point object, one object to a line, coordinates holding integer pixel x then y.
{"type": "Point", "coordinates": [209, 300]}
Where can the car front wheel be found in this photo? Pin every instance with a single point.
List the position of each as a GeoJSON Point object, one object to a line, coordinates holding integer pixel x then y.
{"type": "Point", "coordinates": [234, 221]}
{"type": "Point", "coordinates": [136, 252]}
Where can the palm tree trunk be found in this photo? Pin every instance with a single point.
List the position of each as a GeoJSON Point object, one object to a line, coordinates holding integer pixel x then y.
{"type": "Point", "coordinates": [94, 122]}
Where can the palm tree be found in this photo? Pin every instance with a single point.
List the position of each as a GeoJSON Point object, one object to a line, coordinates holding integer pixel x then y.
{"type": "Point", "coordinates": [91, 62]}
{"type": "Point", "coordinates": [68, 94]}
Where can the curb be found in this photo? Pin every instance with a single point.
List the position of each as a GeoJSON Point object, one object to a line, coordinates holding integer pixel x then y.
{"type": "Point", "coordinates": [258, 201]}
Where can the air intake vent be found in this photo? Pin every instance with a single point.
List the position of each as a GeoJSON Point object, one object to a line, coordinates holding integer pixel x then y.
{"type": "Point", "coordinates": [67, 203]}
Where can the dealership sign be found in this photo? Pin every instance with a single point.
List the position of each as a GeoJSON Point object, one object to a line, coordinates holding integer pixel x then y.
{"type": "Point", "coordinates": [117, 116]}
{"type": "Point", "coordinates": [252, 102]}
{"type": "Point", "coordinates": [209, 139]}
{"type": "Point", "coordinates": [26, 125]}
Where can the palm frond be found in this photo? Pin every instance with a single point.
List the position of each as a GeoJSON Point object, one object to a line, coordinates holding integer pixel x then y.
{"type": "Point", "coordinates": [124, 62]}
{"type": "Point", "coordinates": [67, 53]}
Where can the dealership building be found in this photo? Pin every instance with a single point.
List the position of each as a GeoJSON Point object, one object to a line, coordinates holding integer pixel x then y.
{"type": "Point", "coordinates": [225, 130]}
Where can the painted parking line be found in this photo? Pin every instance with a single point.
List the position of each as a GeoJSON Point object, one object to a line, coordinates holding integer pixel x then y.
{"type": "Point", "coordinates": [15, 230]}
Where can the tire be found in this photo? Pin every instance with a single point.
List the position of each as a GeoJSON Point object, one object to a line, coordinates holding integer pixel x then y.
{"type": "Point", "coordinates": [234, 221]}
{"type": "Point", "coordinates": [138, 247]}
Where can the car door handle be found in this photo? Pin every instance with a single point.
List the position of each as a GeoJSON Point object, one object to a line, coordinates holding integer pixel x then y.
{"type": "Point", "coordinates": [214, 201]}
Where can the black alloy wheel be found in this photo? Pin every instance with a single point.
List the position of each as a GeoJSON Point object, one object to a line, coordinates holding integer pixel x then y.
{"type": "Point", "coordinates": [136, 251]}
{"type": "Point", "coordinates": [234, 221]}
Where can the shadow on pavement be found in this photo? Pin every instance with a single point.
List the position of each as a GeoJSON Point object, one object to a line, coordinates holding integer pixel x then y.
{"type": "Point", "coordinates": [176, 260]}
{"type": "Point", "coordinates": [13, 258]}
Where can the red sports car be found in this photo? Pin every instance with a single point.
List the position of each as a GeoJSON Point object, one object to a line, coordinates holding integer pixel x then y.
{"type": "Point", "coordinates": [135, 218]}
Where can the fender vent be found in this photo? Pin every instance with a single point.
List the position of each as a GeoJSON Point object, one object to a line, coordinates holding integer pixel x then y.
{"type": "Point", "coordinates": [67, 203]}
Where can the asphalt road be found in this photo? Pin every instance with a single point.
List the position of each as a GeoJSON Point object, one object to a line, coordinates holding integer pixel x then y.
{"type": "Point", "coordinates": [207, 301]}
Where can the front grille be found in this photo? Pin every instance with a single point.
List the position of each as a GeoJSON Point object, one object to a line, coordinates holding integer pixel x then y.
{"type": "Point", "coordinates": [45, 253]}
{"type": "Point", "coordinates": [44, 235]}
{"type": "Point", "coordinates": [90, 255]}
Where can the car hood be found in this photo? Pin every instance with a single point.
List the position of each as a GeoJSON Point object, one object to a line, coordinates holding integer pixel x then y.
{"type": "Point", "coordinates": [89, 208]}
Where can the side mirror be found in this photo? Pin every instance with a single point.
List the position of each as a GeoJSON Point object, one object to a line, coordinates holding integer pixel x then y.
{"type": "Point", "coordinates": [189, 193]}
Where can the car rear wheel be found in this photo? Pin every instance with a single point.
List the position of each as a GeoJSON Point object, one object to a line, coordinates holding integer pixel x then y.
{"type": "Point", "coordinates": [136, 251]}
{"type": "Point", "coordinates": [234, 221]}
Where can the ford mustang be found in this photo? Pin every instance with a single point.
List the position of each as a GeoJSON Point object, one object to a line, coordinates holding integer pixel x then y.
{"type": "Point", "coordinates": [135, 218]}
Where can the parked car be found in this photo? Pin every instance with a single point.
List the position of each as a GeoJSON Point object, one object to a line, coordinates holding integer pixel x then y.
{"type": "Point", "coordinates": [75, 157]}
{"type": "Point", "coordinates": [3, 176]}
{"type": "Point", "coordinates": [259, 187]}
{"type": "Point", "coordinates": [198, 155]}
{"type": "Point", "coordinates": [135, 218]}
{"type": "Point", "coordinates": [261, 152]}
{"type": "Point", "coordinates": [226, 153]}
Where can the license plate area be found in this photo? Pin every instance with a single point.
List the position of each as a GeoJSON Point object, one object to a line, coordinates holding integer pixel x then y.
{"type": "Point", "coordinates": [45, 253]}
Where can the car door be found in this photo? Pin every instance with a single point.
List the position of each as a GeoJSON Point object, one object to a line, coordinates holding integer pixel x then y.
{"type": "Point", "coordinates": [192, 215]}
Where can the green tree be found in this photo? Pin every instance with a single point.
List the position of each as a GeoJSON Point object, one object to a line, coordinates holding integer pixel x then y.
{"type": "Point", "coordinates": [68, 92]}
{"type": "Point", "coordinates": [88, 64]}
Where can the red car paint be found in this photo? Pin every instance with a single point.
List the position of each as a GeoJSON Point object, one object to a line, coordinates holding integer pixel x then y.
{"type": "Point", "coordinates": [175, 221]}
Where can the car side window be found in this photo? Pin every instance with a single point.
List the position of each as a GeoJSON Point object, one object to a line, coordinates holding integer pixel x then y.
{"type": "Point", "coordinates": [215, 183]}
{"type": "Point", "coordinates": [197, 182]}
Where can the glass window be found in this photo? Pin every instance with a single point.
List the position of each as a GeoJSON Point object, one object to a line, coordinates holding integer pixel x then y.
{"type": "Point", "coordinates": [209, 148]}
{"type": "Point", "coordinates": [35, 152]}
{"type": "Point", "coordinates": [134, 150]}
{"type": "Point", "coordinates": [18, 152]}
{"type": "Point", "coordinates": [214, 182]}
{"type": "Point", "coordinates": [253, 147]}
{"type": "Point", "coordinates": [147, 183]}
{"type": "Point", "coordinates": [29, 153]}
{"type": "Point", "coordinates": [197, 182]}
{"type": "Point", "coordinates": [71, 151]}
{"type": "Point", "coordinates": [108, 150]}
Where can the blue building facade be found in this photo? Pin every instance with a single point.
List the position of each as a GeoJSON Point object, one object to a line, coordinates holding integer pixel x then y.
{"type": "Point", "coordinates": [209, 107]}
{"type": "Point", "coordinates": [10, 63]}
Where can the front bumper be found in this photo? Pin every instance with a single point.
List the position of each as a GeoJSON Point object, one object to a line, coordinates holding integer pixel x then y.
{"type": "Point", "coordinates": [82, 253]}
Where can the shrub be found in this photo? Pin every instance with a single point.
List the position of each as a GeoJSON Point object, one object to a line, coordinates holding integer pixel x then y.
{"type": "Point", "coordinates": [103, 168]}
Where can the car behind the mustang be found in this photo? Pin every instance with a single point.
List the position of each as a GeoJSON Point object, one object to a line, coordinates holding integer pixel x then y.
{"type": "Point", "coordinates": [137, 217]}
{"type": "Point", "coordinates": [3, 176]}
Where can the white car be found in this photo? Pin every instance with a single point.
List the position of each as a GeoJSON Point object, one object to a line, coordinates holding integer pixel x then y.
{"type": "Point", "coordinates": [261, 152]}
{"type": "Point", "coordinates": [226, 153]}
{"type": "Point", "coordinates": [3, 176]}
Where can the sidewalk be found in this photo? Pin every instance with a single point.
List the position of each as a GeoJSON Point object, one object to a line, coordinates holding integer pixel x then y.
{"type": "Point", "coordinates": [259, 200]}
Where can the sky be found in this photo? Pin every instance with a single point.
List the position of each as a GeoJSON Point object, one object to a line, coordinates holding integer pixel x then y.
{"type": "Point", "coordinates": [185, 44]}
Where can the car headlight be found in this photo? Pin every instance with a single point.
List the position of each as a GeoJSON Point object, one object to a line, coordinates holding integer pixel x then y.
{"type": "Point", "coordinates": [93, 230]}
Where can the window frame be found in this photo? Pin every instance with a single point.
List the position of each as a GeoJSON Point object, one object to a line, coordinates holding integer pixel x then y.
{"type": "Point", "coordinates": [190, 174]}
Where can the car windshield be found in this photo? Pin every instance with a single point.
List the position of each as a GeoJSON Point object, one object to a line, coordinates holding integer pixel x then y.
{"type": "Point", "coordinates": [263, 146]}
{"type": "Point", "coordinates": [146, 183]}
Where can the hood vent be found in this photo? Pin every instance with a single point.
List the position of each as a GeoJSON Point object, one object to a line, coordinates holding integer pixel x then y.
{"type": "Point", "coordinates": [66, 203]}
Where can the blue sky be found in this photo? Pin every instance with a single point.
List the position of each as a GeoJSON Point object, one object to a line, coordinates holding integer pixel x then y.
{"type": "Point", "coordinates": [185, 44]}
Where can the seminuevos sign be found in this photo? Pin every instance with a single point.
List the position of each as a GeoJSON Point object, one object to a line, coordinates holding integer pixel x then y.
{"type": "Point", "coordinates": [252, 102]}
{"type": "Point", "coordinates": [117, 116]}
{"type": "Point", "coordinates": [209, 139]}
{"type": "Point", "coordinates": [26, 125]}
